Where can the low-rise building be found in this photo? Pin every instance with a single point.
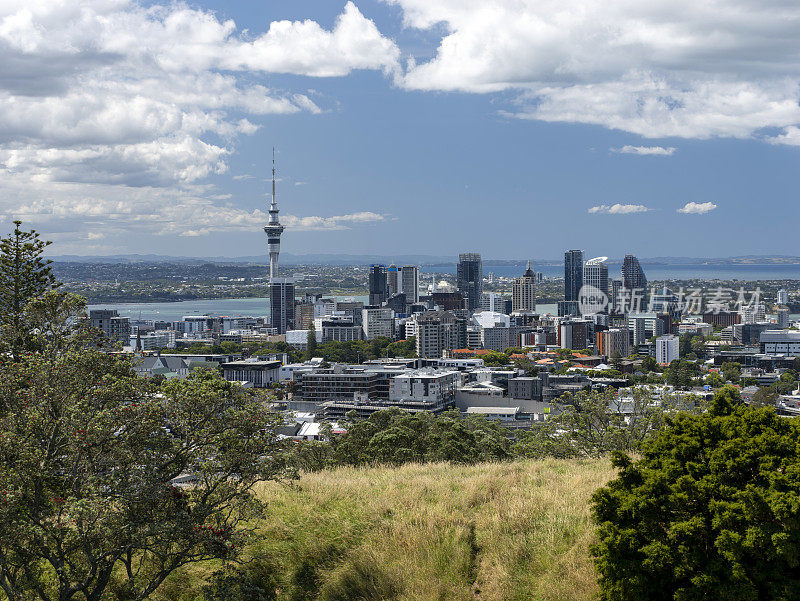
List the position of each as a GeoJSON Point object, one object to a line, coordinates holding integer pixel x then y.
{"type": "Point", "coordinates": [781, 342]}
{"type": "Point", "coordinates": [504, 414]}
{"type": "Point", "coordinates": [168, 366]}
{"type": "Point", "coordinates": [425, 384]}
{"type": "Point", "coordinates": [259, 374]}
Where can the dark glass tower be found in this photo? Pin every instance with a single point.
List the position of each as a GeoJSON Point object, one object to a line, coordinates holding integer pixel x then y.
{"type": "Point", "coordinates": [470, 279]}
{"type": "Point", "coordinates": [633, 277]}
{"type": "Point", "coordinates": [378, 285]}
{"type": "Point", "coordinates": [573, 274]}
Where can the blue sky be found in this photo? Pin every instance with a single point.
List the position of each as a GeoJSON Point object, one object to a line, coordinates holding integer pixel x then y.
{"type": "Point", "coordinates": [506, 135]}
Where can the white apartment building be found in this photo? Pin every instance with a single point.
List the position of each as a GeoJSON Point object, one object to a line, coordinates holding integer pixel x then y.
{"type": "Point", "coordinates": [667, 349]}
{"type": "Point", "coordinates": [425, 385]}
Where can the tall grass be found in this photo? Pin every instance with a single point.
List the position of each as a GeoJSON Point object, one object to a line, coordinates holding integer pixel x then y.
{"type": "Point", "coordinates": [496, 531]}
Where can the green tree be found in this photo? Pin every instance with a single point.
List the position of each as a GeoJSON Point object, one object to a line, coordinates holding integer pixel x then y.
{"type": "Point", "coordinates": [685, 344]}
{"type": "Point", "coordinates": [731, 371]}
{"type": "Point", "coordinates": [394, 437]}
{"type": "Point", "coordinates": [681, 373]}
{"type": "Point", "coordinates": [649, 364]}
{"type": "Point", "coordinates": [766, 396]}
{"type": "Point", "coordinates": [311, 342]}
{"type": "Point", "coordinates": [708, 512]}
{"type": "Point", "coordinates": [403, 348]}
{"type": "Point", "coordinates": [24, 275]}
{"type": "Point", "coordinates": [715, 380]}
{"type": "Point", "coordinates": [89, 456]}
{"type": "Point", "coordinates": [596, 423]}
{"type": "Point", "coordinates": [528, 365]}
{"type": "Point", "coordinates": [496, 359]}
{"type": "Point", "coordinates": [787, 382]}
{"type": "Point", "coordinates": [698, 345]}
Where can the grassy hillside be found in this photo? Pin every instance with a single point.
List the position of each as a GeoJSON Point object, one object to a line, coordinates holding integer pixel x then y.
{"type": "Point", "coordinates": [500, 531]}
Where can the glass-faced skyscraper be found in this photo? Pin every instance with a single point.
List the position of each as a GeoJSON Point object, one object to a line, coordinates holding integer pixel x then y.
{"type": "Point", "coordinates": [408, 279]}
{"type": "Point", "coordinates": [378, 285]}
{"type": "Point", "coordinates": [470, 279]}
{"type": "Point", "coordinates": [633, 277]}
{"type": "Point", "coordinates": [573, 274]}
{"type": "Point", "coordinates": [595, 273]}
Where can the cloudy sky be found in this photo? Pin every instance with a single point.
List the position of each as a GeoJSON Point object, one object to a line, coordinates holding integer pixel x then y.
{"type": "Point", "coordinates": [515, 128]}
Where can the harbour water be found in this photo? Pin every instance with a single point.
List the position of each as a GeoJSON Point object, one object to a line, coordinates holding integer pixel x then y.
{"type": "Point", "coordinates": [260, 306]}
{"type": "Point", "coordinates": [173, 311]}
{"type": "Point", "coordinates": [655, 272]}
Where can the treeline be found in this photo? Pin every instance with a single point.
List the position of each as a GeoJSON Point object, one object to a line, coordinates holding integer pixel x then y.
{"type": "Point", "coordinates": [356, 351]}
{"type": "Point", "coordinates": [587, 424]}
{"type": "Point", "coordinates": [394, 437]}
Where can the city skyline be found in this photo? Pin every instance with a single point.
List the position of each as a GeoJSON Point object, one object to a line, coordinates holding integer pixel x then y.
{"type": "Point", "coordinates": [384, 146]}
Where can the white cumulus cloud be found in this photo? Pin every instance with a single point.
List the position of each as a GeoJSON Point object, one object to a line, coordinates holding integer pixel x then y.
{"type": "Point", "coordinates": [619, 209]}
{"type": "Point", "coordinates": [646, 150]}
{"type": "Point", "coordinates": [117, 110]}
{"type": "Point", "coordinates": [697, 208]}
{"type": "Point", "coordinates": [658, 68]}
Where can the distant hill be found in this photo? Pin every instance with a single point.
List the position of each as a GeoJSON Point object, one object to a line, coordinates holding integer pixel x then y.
{"type": "Point", "coordinates": [343, 259]}
{"type": "Point", "coordinates": [286, 259]}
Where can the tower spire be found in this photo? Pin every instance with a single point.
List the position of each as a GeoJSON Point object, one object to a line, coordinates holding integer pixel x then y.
{"type": "Point", "coordinates": [273, 176]}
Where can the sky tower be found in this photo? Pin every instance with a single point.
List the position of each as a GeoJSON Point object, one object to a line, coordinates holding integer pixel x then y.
{"type": "Point", "coordinates": [273, 229]}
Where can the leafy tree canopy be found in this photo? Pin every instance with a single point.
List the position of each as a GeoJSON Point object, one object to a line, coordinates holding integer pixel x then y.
{"type": "Point", "coordinates": [394, 436]}
{"type": "Point", "coordinates": [24, 275]}
{"type": "Point", "coordinates": [708, 512]}
{"type": "Point", "coordinates": [89, 456]}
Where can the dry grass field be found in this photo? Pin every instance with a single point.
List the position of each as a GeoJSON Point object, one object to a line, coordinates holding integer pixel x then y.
{"type": "Point", "coordinates": [435, 532]}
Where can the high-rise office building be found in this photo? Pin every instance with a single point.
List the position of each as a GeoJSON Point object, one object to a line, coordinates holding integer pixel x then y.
{"type": "Point", "coordinates": [573, 274]}
{"type": "Point", "coordinates": [378, 285]}
{"type": "Point", "coordinates": [782, 297]}
{"type": "Point", "coordinates": [115, 328]}
{"type": "Point", "coordinates": [438, 331]}
{"type": "Point", "coordinates": [523, 292]}
{"type": "Point", "coordinates": [572, 334]}
{"type": "Point", "coordinates": [492, 301]}
{"type": "Point", "coordinates": [392, 281]}
{"type": "Point", "coordinates": [783, 317]}
{"type": "Point", "coordinates": [281, 290]}
{"type": "Point", "coordinates": [470, 279]}
{"type": "Point", "coordinates": [281, 297]}
{"type": "Point", "coordinates": [633, 277]}
{"type": "Point", "coordinates": [409, 283]}
{"type": "Point", "coordinates": [595, 273]}
{"type": "Point", "coordinates": [615, 290]}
